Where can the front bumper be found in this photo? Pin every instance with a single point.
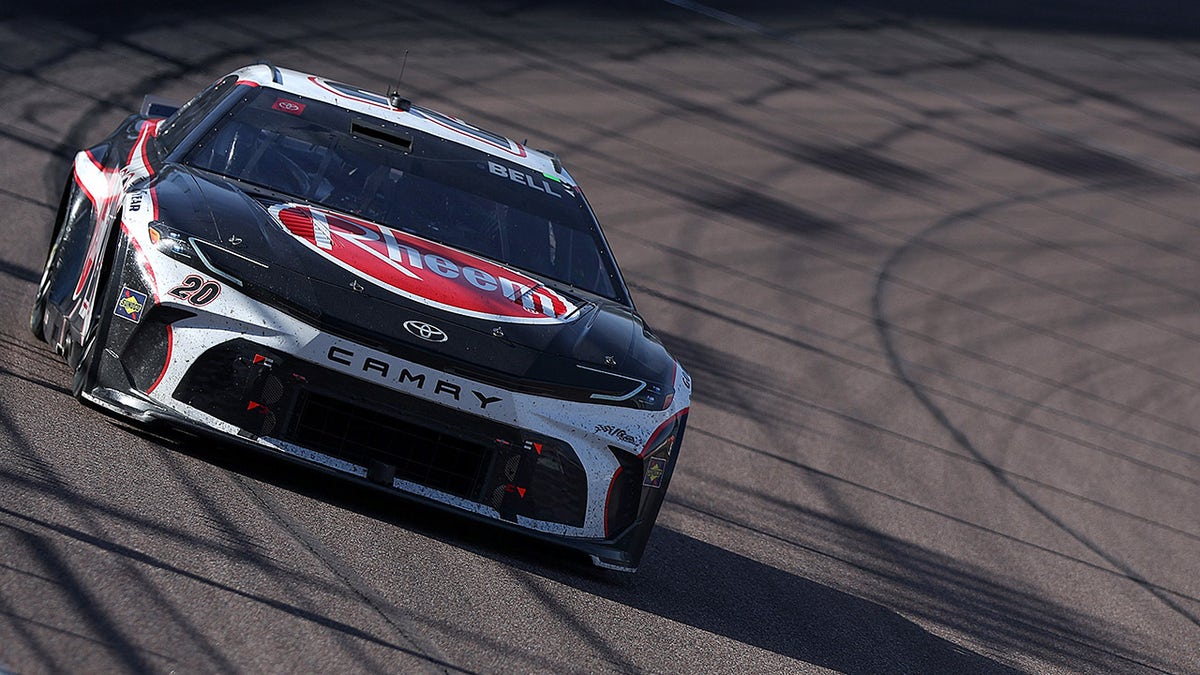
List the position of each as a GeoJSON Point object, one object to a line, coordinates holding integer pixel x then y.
{"type": "Point", "coordinates": [258, 377]}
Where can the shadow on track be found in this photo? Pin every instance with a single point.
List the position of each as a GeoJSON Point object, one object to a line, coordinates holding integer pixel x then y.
{"type": "Point", "coordinates": [699, 584]}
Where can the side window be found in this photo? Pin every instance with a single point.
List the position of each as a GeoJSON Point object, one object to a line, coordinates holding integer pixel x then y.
{"type": "Point", "coordinates": [176, 127]}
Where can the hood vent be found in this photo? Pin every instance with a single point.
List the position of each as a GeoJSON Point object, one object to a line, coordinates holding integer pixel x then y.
{"type": "Point", "coordinates": [378, 134]}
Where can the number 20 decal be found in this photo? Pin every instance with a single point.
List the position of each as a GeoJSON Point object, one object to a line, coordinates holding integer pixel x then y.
{"type": "Point", "coordinates": [196, 291]}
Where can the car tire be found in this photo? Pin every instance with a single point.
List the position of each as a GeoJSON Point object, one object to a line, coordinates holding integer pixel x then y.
{"type": "Point", "coordinates": [37, 314]}
{"type": "Point", "coordinates": [83, 356]}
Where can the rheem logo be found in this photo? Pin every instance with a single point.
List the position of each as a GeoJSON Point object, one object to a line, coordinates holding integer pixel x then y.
{"type": "Point", "coordinates": [423, 270]}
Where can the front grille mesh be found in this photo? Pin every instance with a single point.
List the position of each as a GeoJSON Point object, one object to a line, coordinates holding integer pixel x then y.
{"type": "Point", "coordinates": [625, 492]}
{"type": "Point", "coordinates": [419, 454]}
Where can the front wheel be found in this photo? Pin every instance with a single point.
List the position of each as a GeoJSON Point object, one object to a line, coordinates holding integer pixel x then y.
{"type": "Point", "coordinates": [73, 209]}
{"type": "Point", "coordinates": [37, 315]}
{"type": "Point", "coordinates": [84, 356]}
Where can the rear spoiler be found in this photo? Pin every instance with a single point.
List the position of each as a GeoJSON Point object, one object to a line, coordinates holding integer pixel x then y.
{"type": "Point", "coordinates": [157, 106]}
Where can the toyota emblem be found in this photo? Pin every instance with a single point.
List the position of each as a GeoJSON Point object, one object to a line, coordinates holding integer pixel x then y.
{"type": "Point", "coordinates": [425, 331]}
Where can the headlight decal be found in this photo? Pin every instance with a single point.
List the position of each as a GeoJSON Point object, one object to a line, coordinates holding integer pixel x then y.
{"type": "Point", "coordinates": [636, 386]}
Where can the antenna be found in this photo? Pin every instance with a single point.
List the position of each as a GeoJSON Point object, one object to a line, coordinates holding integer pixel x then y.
{"type": "Point", "coordinates": [394, 98]}
{"type": "Point", "coordinates": [276, 77]}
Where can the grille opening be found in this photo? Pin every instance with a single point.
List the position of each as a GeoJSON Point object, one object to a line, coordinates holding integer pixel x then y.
{"type": "Point", "coordinates": [624, 494]}
{"type": "Point", "coordinates": [558, 487]}
{"type": "Point", "coordinates": [380, 135]}
{"type": "Point", "coordinates": [361, 436]}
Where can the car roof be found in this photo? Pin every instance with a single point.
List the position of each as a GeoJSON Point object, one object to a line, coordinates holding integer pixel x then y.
{"type": "Point", "coordinates": [414, 116]}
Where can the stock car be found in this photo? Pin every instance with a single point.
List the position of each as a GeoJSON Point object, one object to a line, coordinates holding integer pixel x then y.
{"type": "Point", "coordinates": [374, 289]}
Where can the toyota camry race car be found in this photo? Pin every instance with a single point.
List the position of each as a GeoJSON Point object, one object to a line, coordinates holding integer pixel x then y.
{"type": "Point", "coordinates": [373, 288]}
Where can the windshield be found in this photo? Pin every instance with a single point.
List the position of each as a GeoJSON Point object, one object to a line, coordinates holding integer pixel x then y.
{"type": "Point", "coordinates": [411, 181]}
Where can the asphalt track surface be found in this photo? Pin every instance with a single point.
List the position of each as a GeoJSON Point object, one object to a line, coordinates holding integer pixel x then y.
{"type": "Point", "coordinates": [934, 276]}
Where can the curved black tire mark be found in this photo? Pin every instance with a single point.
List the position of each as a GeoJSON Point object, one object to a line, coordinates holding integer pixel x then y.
{"type": "Point", "coordinates": [897, 364]}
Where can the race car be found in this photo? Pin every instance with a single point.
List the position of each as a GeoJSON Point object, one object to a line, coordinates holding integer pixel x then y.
{"type": "Point", "coordinates": [374, 289]}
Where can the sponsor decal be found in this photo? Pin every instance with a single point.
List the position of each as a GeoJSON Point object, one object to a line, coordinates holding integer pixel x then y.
{"type": "Point", "coordinates": [130, 304]}
{"type": "Point", "coordinates": [196, 290]}
{"type": "Point", "coordinates": [617, 433]}
{"type": "Point", "coordinates": [288, 106]}
{"type": "Point", "coordinates": [422, 270]}
{"type": "Point", "coordinates": [399, 376]}
{"type": "Point", "coordinates": [528, 180]}
{"type": "Point", "coordinates": [656, 469]}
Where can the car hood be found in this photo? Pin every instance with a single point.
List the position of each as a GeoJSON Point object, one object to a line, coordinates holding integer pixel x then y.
{"type": "Point", "coordinates": [377, 285]}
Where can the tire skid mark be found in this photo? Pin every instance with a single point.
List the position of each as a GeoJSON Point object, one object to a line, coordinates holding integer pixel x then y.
{"type": "Point", "coordinates": [536, 588]}
{"type": "Point", "coordinates": [990, 531]}
{"type": "Point", "coordinates": [77, 593]}
{"type": "Point", "coordinates": [135, 556]}
{"type": "Point", "coordinates": [84, 504]}
{"type": "Point", "coordinates": [1078, 442]}
{"type": "Point", "coordinates": [849, 219]}
{"type": "Point", "coordinates": [42, 145]}
{"type": "Point", "coordinates": [949, 92]}
{"type": "Point", "coordinates": [27, 199]}
{"type": "Point", "coordinates": [713, 266]}
{"type": "Point", "coordinates": [30, 350]}
{"type": "Point", "coordinates": [1123, 408]}
{"type": "Point", "coordinates": [745, 387]}
{"type": "Point", "coordinates": [121, 646]}
{"type": "Point", "coordinates": [793, 343]}
{"type": "Point", "coordinates": [1077, 89]}
{"type": "Point", "coordinates": [1058, 634]}
{"type": "Point", "coordinates": [866, 269]}
{"type": "Point", "coordinates": [417, 645]}
{"type": "Point", "coordinates": [23, 625]}
{"type": "Point", "coordinates": [770, 143]}
{"type": "Point", "coordinates": [843, 261]}
{"type": "Point", "coordinates": [878, 303]}
{"type": "Point", "coordinates": [36, 381]}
